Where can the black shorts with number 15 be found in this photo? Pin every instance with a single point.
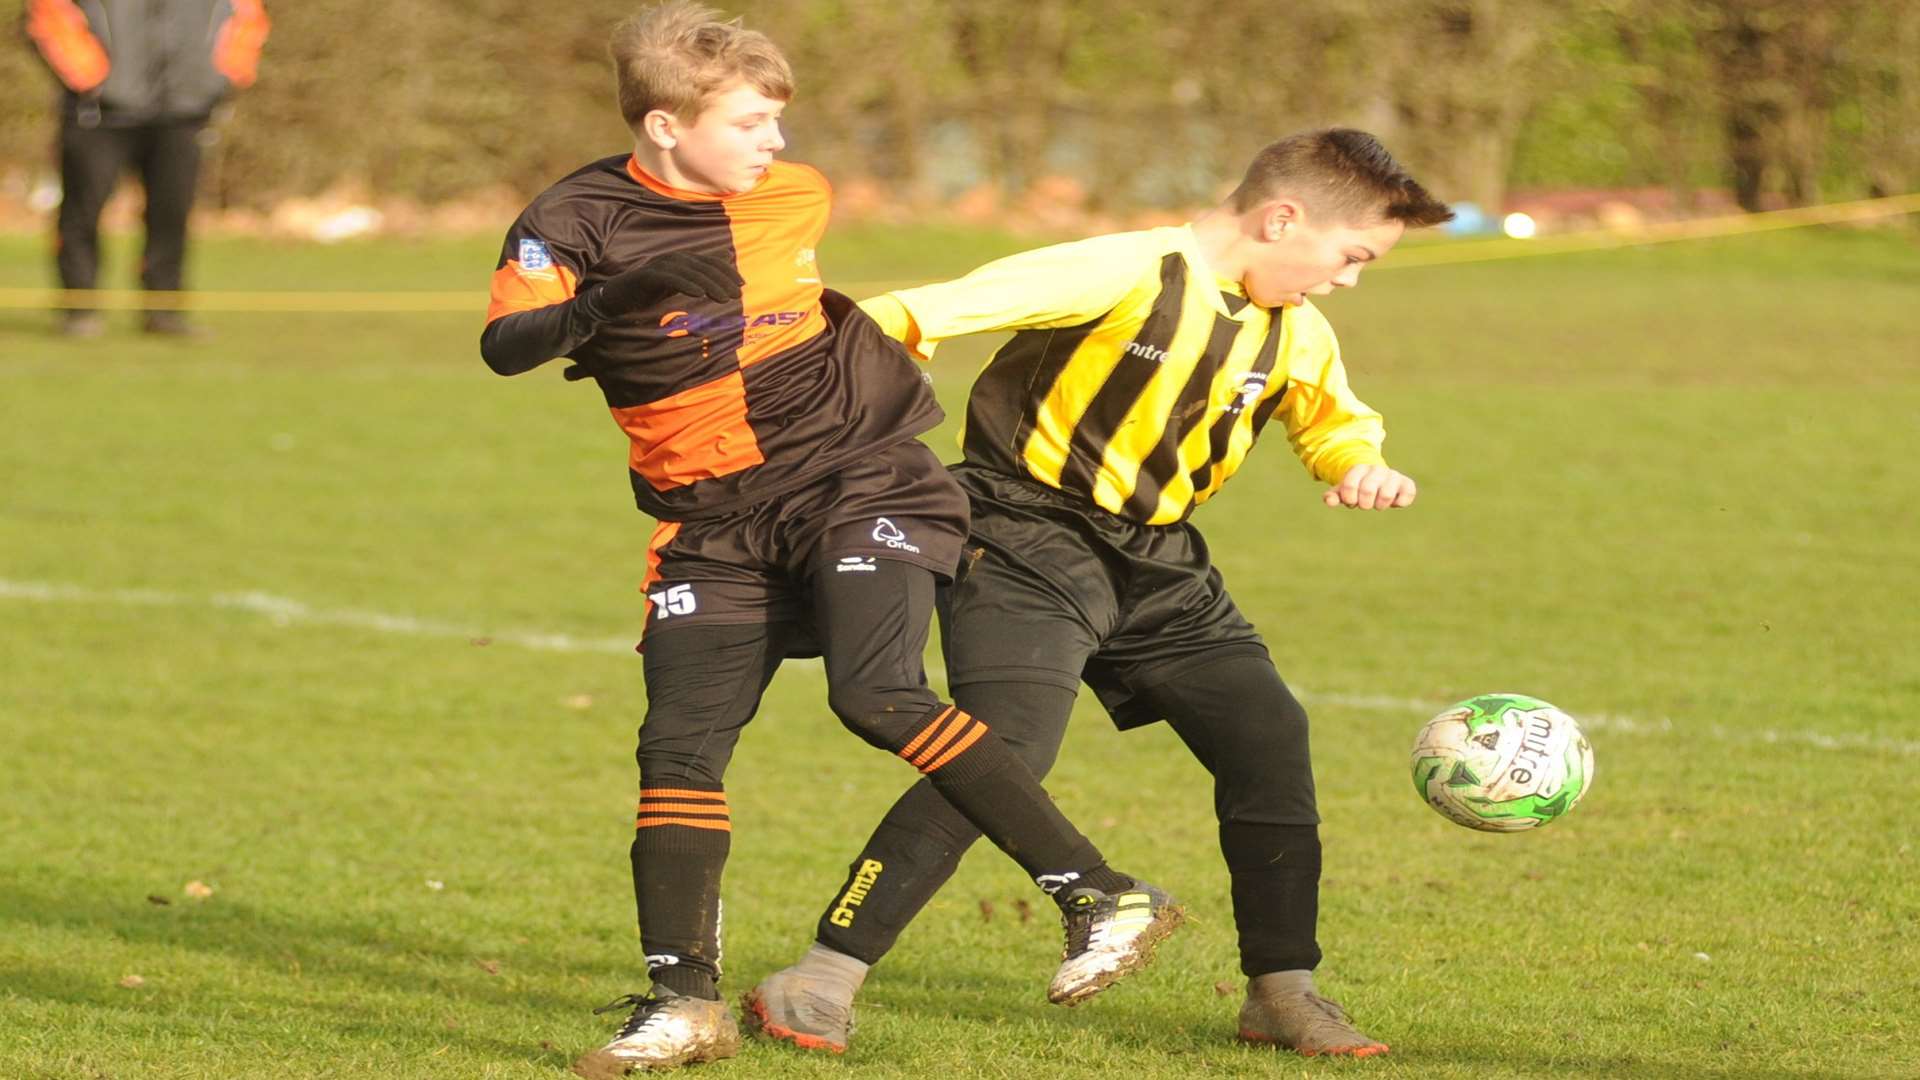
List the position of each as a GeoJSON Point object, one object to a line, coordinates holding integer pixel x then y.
{"type": "Point", "coordinates": [753, 565]}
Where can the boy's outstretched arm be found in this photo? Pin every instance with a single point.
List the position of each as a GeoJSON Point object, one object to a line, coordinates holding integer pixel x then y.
{"type": "Point", "coordinates": [1061, 285]}
{"type": "Point", "coordinates": [521, 340]}
{"type": "Point", "coordinates": [1336, 435]}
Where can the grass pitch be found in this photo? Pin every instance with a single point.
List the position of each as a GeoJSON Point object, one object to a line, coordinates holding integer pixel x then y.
{"type": "Point", "coordinates": [325, 618]}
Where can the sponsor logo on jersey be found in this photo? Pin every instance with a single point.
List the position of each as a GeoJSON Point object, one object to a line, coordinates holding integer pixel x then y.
{"type": "Point", "coordinates": [1147, 352]}
{"type": "Point", "coordinates": [856, 894]}
{"type": "Point", "coordinates": [683, 323]}
{"type": "Point", "coordinates": [886, 532]}
{"type": "Point", "coordinates": [856, 564]}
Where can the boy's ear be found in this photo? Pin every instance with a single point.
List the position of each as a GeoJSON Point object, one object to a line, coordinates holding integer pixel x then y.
{"type": "Point", "coordinates": [660, 128]}
{"type": "Point", "coordinates": [1280, 216]}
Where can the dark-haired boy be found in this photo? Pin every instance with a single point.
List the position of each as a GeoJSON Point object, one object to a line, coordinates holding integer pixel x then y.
{"type": "Point", "coordinates": [1142, 369]}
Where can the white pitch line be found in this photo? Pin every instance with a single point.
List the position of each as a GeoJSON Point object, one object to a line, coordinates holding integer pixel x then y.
{"type": "Point", "coordinates": [282, 611]}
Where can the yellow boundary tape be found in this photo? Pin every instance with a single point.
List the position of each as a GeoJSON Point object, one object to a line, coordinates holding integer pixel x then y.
{"type": "Point", "coordinates": [1443, 254]}
{"type": "Point", "coordinates": [1468, 251]}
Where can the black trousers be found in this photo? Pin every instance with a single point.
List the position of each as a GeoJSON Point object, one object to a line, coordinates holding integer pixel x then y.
{"type": "Point", "coordinates": [869, 623]}
{"type": "Point", "coordinates": [92, 159]}
{"type": "Point", "coordinates": [1243, 726]}
{"type": "Point", "coordinates": [1053, 591]}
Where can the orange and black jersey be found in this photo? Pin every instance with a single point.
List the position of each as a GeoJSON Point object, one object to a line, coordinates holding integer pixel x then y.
{"type": "Point", "coordinates": [725, 404]}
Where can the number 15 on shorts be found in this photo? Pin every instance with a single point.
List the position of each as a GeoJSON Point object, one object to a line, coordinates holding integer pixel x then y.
{"type": "Point", "coordinates": [672, 600]}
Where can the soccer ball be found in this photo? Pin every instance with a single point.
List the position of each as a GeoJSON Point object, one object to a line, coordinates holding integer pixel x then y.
{"type": "Point", "coordinates": [1502, 763]}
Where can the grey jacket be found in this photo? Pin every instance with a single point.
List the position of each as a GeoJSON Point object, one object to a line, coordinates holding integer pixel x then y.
{"type": "Point", "coordinates": [162, 55]}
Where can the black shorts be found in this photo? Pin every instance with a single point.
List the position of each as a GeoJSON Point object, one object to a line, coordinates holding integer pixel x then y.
{"type": "Point", "coordinates": [1053, 589]}
{"type": "Point", "coordinates": [752, 566]}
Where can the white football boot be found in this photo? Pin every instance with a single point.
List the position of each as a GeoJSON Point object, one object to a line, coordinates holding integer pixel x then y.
{"type": "Point", "coordinates": [1109, 936]}
{"type": "Point", "coordinates": [666, 1030]}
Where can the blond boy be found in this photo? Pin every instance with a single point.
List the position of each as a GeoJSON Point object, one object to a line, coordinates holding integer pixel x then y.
{"type": "Point", "coordinates": [772, 429]}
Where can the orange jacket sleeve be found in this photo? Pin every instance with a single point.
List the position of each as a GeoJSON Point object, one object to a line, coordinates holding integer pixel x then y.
{"type": "Point", "coordinates": [59, 30]}
{"type": "Point", "coordinates": [236, 50]}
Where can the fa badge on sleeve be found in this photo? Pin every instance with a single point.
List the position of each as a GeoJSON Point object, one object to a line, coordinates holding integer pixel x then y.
{"type": "Point", "coordinates": [534, 257]}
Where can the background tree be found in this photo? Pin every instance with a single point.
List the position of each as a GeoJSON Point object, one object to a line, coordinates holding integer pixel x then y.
{"type": "Point", "coordinates": [1148, 103]}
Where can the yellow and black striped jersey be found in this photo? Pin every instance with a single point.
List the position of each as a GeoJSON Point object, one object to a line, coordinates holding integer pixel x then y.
{"type": "Point", "coordinates": [1136, 377]}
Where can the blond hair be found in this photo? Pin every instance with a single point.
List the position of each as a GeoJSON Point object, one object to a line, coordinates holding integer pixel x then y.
{"type": "Point", "coordinates": [1340, 172]}
{"type": "Point", "coordinates": [675, 57]}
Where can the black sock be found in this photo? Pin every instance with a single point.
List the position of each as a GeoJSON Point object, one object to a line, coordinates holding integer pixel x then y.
{"type": "Point", "coordinates": [679, 850]}
{"type": "Point", "coordinates": [996, 791]}
{"type": "Point", "coordinates": [688, 980]}
{"type": "Point", "coordinates": [919, 843]}
{"type": "Point", "coordinates": [1276, 894]}
{"type": "Point", "coordinates": [895, 875]}
{"type": "Point", "coordinates": [1102, 877]}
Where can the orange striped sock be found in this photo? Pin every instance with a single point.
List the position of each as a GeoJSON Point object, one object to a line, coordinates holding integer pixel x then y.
{"type": "Point", "coordinates": [682, 806]}
{"type": "Point", "coordinates": [948, 735]}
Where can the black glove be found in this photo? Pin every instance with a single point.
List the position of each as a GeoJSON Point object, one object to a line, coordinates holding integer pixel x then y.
{"type": "Point", "coordinates": [678, 273]}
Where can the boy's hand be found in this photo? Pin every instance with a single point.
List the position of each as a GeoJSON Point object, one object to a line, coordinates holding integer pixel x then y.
{"type": "Point", "coordinates": [1372, 487]}
{"type": "Point", "coordinates": [678, 273]}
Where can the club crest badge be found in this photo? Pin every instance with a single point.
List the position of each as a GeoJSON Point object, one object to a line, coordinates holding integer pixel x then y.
{"type": "Point", "coordinates": [535, 258]}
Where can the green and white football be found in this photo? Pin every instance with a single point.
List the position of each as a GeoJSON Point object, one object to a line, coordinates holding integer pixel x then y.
{"type": "Point", "coordinates": [1502, 763]}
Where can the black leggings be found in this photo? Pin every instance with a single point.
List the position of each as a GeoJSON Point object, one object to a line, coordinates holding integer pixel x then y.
{"type": "Point", "coordinates": [704, 684]}
{"type": "Point", "coordinates": [1241, 723]}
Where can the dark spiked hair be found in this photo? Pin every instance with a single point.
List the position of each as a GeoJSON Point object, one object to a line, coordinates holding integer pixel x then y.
{"type": "Point", "coordinates": [1340, 172]}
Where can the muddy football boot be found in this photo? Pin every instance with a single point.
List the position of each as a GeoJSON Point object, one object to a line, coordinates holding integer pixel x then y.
{"type": "Point", "coordinates": [1283, 1010]}
{"type": "Point", "coordinates": [664, 1031]}
{"type": "Point", "coordinates": [794, 1007]}
{"type": "Point", "coordinates": [1109, 936]}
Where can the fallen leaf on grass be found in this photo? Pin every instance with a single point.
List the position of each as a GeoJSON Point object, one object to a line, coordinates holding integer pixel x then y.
{"type": "Point", "coordinates": [578, 701]}
{"type": "Point", "coordinates": [198, 890]}
{"type": "Point", "coordinates": [491, 967]}
{"type": "Point", "coordinates": [1224, 988]}
{"type": "Point", "coordinates": [986, 911]}
{"type": "Point", "coordinates": [133, 982]}
{"type": "Point", "coordinates": [156, 898]}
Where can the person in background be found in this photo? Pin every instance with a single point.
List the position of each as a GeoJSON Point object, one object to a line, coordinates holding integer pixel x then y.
{"type": "Point", "coordinates": [139, 80]}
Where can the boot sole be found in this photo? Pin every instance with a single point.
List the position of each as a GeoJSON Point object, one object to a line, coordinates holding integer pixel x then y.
{"type": "Point", "coordinates": [1370, 1050]}
{"type": "Point", "coordinates": [601, 1065]}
